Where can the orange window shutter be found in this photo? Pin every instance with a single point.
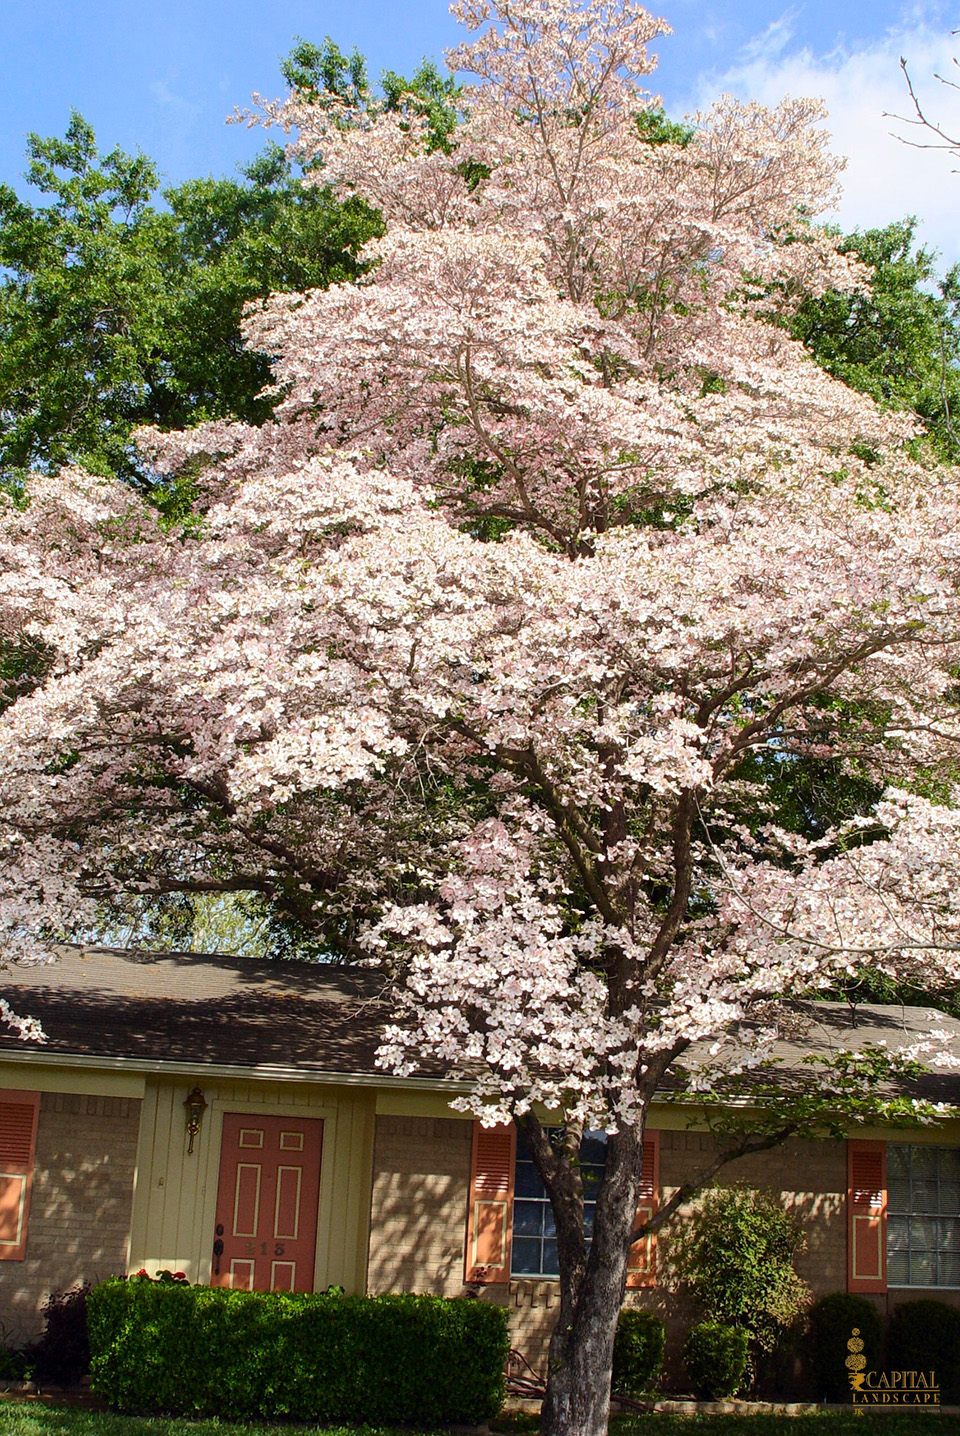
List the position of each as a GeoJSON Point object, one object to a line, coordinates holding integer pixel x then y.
{"type": "Point", "coordinates": [18, 1140]}
{"type": "Point", "coordinates": [490, 1214]}
{"type": "Point", "coordinates": [642, 1262]}
{"type": "Point", "coordinates": [866, 1216]}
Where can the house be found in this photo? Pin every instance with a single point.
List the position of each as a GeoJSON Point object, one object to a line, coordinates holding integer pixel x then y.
{"type": "Point", "coordinates": [226, 1118]}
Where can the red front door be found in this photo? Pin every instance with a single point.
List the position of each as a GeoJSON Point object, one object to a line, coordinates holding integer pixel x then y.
{"type": "Point", "coordinates": [266, 1236]}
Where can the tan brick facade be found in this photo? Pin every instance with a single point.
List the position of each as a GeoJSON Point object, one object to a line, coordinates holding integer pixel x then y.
{"type": "Point", "coordinates": [810, 1178]}
{"type": "Point", "coordinates": [81, 1205]}
{"type": "Point", "coordinates": [421, 1190]}
{"type": "Point", "coordinates": [418, 1218]}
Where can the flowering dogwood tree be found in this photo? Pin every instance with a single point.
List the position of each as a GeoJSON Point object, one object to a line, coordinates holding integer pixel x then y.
{"type": "Point", "coordinates": [499, 657]}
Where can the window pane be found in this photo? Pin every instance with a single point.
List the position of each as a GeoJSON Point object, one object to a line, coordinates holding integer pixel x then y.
{"type": "Point", "coordinates": [898, 1196]}
{"type": "Point", "coordinates": [923, 1269]}
{"type": "Point", "coordinates": [950, 1269]}
{"type": "Point", "coordinates": [897, 1268]}
{"type": "Point", "coordinates": [593, 1149]}
{"type": "Point", "coordinates": [950, 1164]}
{"type": "Point", "coordinates": [528, 1219]}
{"type": "Point", "coordinates": [924, 1164]}
{"type": "Point", "coordinates": [949, 1235]}
{"type": "Point", "coordinates": [591, 1178]}
{"type": "Point", "coordinates": [526, 1255]}
{"type": "Point", "coordinates": [551, 1262]}
{"type": "Point", "coordinates": [925, 1197]}
{"type": "Point", "coordinates": [950, 1198]}
{"type": "Point", "coordinates": [898, 1162]}
{"type": "Point", "coordinates": [923, 1234]}
{"type": "Point", "coordinates": [897, 1234]}
{"type": "Point", "coordinates": [549, 1226]}
{"type": "Point", "coordinates": [528, 1183]}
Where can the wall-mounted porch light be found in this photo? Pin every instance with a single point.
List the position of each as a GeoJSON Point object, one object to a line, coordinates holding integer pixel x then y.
{"type": "Point", "coordinates": [196, 1105]}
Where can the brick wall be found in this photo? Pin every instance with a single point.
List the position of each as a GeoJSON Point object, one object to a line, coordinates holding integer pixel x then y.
{"type": "Point", "coordinates": [418, 1224]}
{"type": "Point", "coordinates": [420, 1192]}
{"type": "Point", "coordinates": [810, 1178]}
{"type": "Point", "coordinates": [421, 1179]}
{"type": "Point", "coordinates": [80, 1209]}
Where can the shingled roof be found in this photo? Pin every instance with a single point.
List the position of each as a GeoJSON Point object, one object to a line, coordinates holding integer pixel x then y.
{"type": "Point", "coordinates": [196, 1008]}
{"type": "Point", "coordinates": [186, 1007]}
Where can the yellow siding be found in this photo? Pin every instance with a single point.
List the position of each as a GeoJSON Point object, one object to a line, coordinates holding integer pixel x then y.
{"type": "Point", "coordinates": [666, 1116]}
{"type": "Point", "coordinates": [85, 1081]}
{"type": "Point", "coordinates": [398, 1102]}
{"type": "Point", "coordinates": [174, 1206]}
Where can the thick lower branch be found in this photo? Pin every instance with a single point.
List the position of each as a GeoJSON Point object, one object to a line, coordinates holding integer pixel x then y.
{"type": "Point", "coordinates": [696, 1184]}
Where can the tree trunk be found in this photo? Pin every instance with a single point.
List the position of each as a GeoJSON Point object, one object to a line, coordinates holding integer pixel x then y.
{"type": "Point", "coordinates": [577, 1402]}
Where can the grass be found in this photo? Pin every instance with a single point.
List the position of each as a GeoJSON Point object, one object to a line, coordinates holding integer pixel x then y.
{"type": "Point", "coordinates": [35, 1420]}
{"type": "Point", "coordinates": [24, 1419]}
{"type": "Point", "coordinates": [827, 1423]}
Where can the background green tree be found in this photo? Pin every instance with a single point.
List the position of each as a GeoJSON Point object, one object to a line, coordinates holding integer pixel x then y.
{"type": "Point", "coordinates": [899, 343]}
{"type": "Point", "coordinates": [116, 312]}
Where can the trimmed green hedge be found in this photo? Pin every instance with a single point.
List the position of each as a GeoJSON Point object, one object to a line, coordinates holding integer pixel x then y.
{"type": "Point", "coordinates": [925, 1336]}
{"type": "Point", "coordinates": [191, 1350]}
{"type": "Point", "coordinates": [637, 1352]}
{"type": "Point", "coordinates": [832, 1321]}
{"type": "Point", "coordinates": [715, 1356]}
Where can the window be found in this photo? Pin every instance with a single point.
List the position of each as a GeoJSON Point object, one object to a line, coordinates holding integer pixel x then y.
{"type": "Point", "coordinates": [923, 1216]}
{"type": "Point", "coordinates": [534, 1235]}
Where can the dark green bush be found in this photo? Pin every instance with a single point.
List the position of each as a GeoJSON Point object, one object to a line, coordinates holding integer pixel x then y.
{"type": "Point", "coordinates": [62, 1355]}
{"type": "Point", "coordinates": [832, 1321]}
{"type": "Point", "coordinates": [168, 1346]}
{"type": "Point", "coordinates": [925, 1336]}
{"type": "Point", "coordinates": [715, 1357]}
{"type": "Point", "coordinates": [637, 1352]}
{"type": "Point", "coordinates": [14, 1364]}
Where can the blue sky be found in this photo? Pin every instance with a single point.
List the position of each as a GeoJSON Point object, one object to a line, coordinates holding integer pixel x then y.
{"type": "Point", "coordinates": [163, 76]}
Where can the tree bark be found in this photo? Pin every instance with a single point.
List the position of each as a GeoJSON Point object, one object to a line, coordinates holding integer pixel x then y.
{"type": "Point", "coordinates": [577, 1400]}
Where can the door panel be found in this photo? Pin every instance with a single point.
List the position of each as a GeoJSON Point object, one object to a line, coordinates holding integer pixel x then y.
{"type": "Point", "coordinates": [267, 1199]}
{"type": "Point", "coordinates": [246, 1200]}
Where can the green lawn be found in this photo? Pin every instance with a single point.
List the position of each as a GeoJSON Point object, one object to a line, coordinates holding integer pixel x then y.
{"type": "Point", "coordinates": [827, 1423]}
{"type": "Point", "coordinates": [35, 1420]}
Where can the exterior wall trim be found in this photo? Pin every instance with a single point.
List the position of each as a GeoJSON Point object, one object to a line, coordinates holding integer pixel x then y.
{"type": "Point", "coordinates": [266, 1072]}
{"type": "Point", "coordinates": [670, 1113]}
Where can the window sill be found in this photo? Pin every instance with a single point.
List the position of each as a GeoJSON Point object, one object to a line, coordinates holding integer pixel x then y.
{"type": "Point", "coordinates": [892, 1287]}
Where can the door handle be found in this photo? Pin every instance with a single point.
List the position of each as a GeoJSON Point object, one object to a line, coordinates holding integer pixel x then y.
{"type": "Point", "coordinates": [217, 1251]}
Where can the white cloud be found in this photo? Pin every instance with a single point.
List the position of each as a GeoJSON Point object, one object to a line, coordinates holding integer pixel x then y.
{"type": "Point", "coordinates": [885, 178]}
{"type": "Point", "coordinates": [772, 41]}
{"type": "Point", "coordinates": [185, 110]}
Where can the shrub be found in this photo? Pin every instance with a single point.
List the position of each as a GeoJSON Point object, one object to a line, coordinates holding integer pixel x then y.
{"type": "Point", "coordinates": [637, 1352]}
{"type": "Point", "coordinates": [13, 1364]}
{"type": "Point", "coordinates": [62, 1355]}
{"type": "Point", "coordinates": [168, 1346]}
{"type": "Point", "coordinates": [715, 1357]}
{"type": "Point", "coordinates": [736, 1252]}
{"type": "Point", "coordinates": [925, 1336]}
{"type": "Point", "coordinates": [832, 1320]}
